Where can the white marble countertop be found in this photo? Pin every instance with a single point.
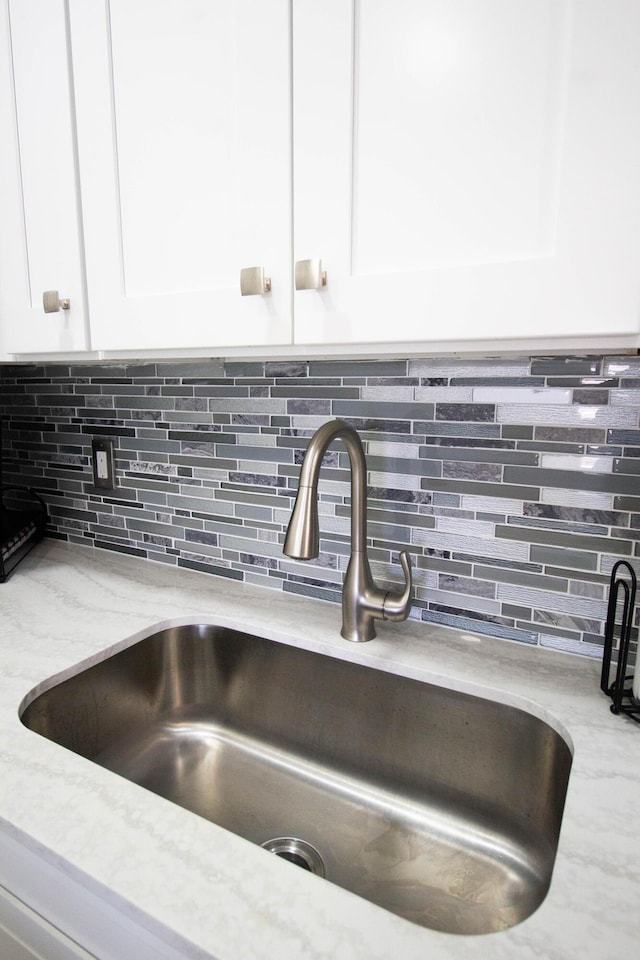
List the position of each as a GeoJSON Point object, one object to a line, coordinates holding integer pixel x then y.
{"type": "Point", "coordinates": [214, 894]}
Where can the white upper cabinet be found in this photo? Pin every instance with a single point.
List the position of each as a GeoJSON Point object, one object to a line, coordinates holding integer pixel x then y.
{"type": "Point", "coordinates": [184, 141]}
{"type": "Point", "coordinates": [40, 232]}
{"type": "Point", "coordinates": [467, 169]}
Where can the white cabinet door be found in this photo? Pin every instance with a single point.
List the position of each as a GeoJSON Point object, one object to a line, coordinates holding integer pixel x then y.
{"type": "Point", "coordinates": [467, 169]}
{"type": "Point", "coordinates": [184, 139]}
{"type": "Point", "coordinates": [40, 234]}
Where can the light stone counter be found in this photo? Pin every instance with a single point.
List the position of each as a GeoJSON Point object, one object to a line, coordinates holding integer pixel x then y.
{"type": "Point", "coordinates": [200, 890]}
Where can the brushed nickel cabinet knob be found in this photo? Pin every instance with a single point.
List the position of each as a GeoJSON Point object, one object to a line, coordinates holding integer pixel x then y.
{"type": "Point", "coordinates": [51, 302]}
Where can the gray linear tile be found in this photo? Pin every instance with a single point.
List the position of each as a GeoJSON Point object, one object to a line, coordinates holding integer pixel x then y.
{"type": "Point", "coordinates": [573, 434]}
{"type": "Point", "coordinates": [389, 391]}
{"type": "Point", "coordinates": [565, 558]}
{"type": "Point", "coordinates": [546, 446]}
{"type": "Point", "coordinates": [579, 515]}
{"type": "Point", "coordinates": [578, 647]}
{"type": "Point", "coordinates": [469, 412]}
{"type": "Point", "coordinates": [471, 625]}
{"type": "Point", "coordinates": [452, 428]}
{"type": "Point", "coordinates": [591, 397]}
{"type": "Point", "coordinates": [311, 406]}
{"type": "Point", "coordinates": [627, 466]}
{"type": "Point", "coordinates": [551, 601]}
{"type": "Point", "coordinates": [286, 368]}
{"type": "Point", "coordinates": [312, 392]}
{"type": "Point", "coordinates": [505, 574]}
{"type": "Point", "coordinates": [456, 543]}
{"type": "Point", "coordinates": [453, 583]}
{"type": "Point", "coordinates": [627, 503]}
{"type": "Point", "coordinates": [472, 471]}
{"type": "Point", "coordinates": [401, 465]}
{"type": "Point", "coordinates": [567, 416]}
{"type": "Point", "coordinates": [365, 368]}
{"type": "Point", "coordinates": [481, 381]}
{"type": "Point", "coordinates": [516, 431]}
{"type": "Point", "coordinates": [260, 405]}
{"type": "Point", "coordinates": [484, 454]}
{"type": "Point", "coordinates": [603, 482]}
{"type": "Point", "coordinates": [383, 410]}
{"type": "Point", "coordinates": [621, 366]}
{"type": "Point", "coordinates": [567, 366]}
{"type": "Point", "coordinates": [544, 523]}
{"type": "Point", "coordinates": [190, 369]}
{"type": "Point", "coordinates": [468, 488]}
{"type": "Point", "coordinates": [469, 367]}
{"type": "Point", "coordinates": [571, 541]}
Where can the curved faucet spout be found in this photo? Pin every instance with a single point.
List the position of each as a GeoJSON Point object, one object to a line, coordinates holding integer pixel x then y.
{"type": "Point", "coordinates": [362, 600]}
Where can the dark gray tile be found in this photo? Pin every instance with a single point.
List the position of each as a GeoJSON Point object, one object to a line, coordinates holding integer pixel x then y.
{"type": "Point", "coordinates": [546, 446]}
{"type": "Point", "coordinates": [591, 397]}
{"type": "Point", "coordinates": [591, 382]}
{"type": "Point", "coordinates": [566, 366]}
{"type": "Point", "coordinates": [497, 381]}
{"type": "Point", "coordinates": [472, 471]}
{"type": "Point", "coordinates": [624, 436]}
{"type": "Point", "coordinates": [627, 466]}
{"type": "Point", "coordinates": [627, 503]}
{"type": "Point", "coordinates": [313, 393]}
{"type": "Point", "coordinates": [469, 412]}
{"type": "Point", "coordinates": [577, 515]}
{"type": "Point", "coordinates": [570, 434]}
{"type": "Point", "coordinates": [452, 583]}
{"type": "Point", "coordinates": [243, 368]}
{"type": "Point", "coordinates": [286, 368]}
{"type": "Point", "coordinates": [309, 407]}
{"type": "Point", "coordinates": [365, 368]}
{"type": "Point", "coordinates": [399, 495]}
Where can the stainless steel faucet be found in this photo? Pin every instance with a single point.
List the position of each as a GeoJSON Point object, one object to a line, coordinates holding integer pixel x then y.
{"type": "Point", "coordinates": [362, 601]}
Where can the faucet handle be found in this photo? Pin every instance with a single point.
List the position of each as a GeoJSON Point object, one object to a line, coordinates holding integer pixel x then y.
{"type": "Point", "coordinates": [396, 606]}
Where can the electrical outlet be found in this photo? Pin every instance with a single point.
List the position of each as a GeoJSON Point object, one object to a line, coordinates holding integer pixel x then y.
{"type": "Point", "coordinates": [104, 474]}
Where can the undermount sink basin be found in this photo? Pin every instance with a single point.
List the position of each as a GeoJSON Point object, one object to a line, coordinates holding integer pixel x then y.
{"type": "Point", "coordinates": [439, 806]}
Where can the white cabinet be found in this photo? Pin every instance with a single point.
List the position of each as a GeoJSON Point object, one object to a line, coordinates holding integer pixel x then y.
{"type": "Point", "coordinates": [468, 169]}
{"type": "Point", "coordinates": [151, 152]}
{"type": "Point", "coordinates": [184, 141]}
{"type": "Point", "coordinates": [465, 170]}
{"type": "Point", "coordinates": [40, 231]}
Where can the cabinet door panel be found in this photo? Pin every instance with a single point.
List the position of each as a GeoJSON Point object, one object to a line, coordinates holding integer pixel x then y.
{"type": "Point", "coordinates": [40, 247]}
{"type": "Point", "coordinates": [467, 171]}
{"type": "Point", "coordinates": [184, 144]}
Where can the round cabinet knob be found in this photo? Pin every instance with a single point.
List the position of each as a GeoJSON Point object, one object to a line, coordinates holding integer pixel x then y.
{"type": "Point", "coordinates": [51, 302]}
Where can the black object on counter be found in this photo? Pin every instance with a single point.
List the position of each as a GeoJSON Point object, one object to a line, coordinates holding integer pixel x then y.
{"type": "Point", "coordinates": [622, 599]}
{"type": "Point", "coordinates": [23, 518]}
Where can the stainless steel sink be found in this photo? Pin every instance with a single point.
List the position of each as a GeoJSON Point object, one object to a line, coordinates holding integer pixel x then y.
{"type": "Point", "coordinates": [442, 807]}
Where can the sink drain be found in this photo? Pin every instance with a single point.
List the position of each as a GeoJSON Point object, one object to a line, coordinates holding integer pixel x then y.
{"type": "Point", "coordinates": [296, 851]}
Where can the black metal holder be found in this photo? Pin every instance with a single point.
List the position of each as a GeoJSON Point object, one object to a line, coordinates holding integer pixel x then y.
{"type": "Point", "coordinates": [23, 519]}
{"type": "Point", "coordinates": [622, 597]}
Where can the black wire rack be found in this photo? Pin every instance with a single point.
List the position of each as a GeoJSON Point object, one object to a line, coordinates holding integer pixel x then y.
{"type": "Point", "coordinates": [23, 519]}
{"type": "Point", "coordinates": [622, 600]}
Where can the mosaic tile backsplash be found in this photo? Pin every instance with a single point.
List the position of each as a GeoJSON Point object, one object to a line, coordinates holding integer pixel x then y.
{"type": "Point", "coordinates": [514, 483]}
